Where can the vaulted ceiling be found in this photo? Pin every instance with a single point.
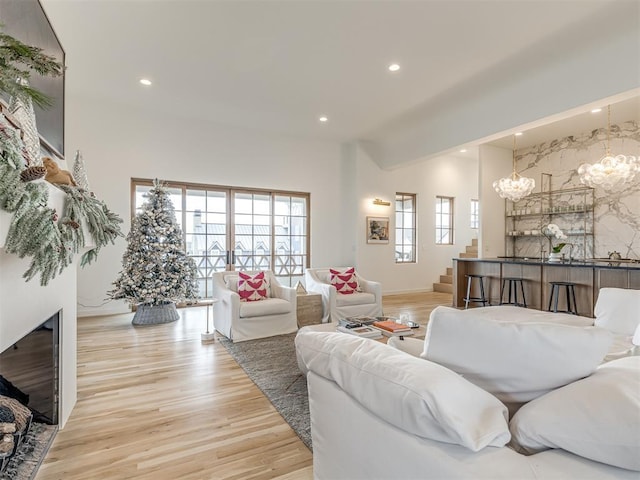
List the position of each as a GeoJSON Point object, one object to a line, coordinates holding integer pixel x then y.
{"type": "Point", "coordinates": [276, 65]}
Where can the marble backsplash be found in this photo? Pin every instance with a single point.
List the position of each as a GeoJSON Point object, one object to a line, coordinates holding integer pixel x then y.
{"type": "Point", "coordinates": [615, 221]}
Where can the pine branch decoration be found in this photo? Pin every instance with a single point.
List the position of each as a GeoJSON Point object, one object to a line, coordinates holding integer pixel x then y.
{"type": "Point", "coordinates": [18, 61]}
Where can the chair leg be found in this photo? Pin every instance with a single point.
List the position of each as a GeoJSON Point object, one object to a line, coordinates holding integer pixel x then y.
{"type": "Point", "coordinates": [575, 305]}
{"type": "Point", "coordinates": [502, 293]}
{"type": "Point", "coordinates": [466, 300]}
{"type": "Point", "coordinates": [484, 299]}
{"type": "Point", "coordinates": [550, 298]}
{"type": "Point", "coordinates": [524, 299]}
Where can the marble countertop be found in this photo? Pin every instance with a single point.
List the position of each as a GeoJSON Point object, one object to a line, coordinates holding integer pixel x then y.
{"type": "Point", "coordinates": [590, 263]}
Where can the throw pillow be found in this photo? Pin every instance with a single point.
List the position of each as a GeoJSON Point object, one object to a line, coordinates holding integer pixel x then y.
{"type": "Point", "coordinates": [417, 396]}
{"type": "Point", "coordinates": [345, 281]}
{"type": "Point", "coordinates": [253, 288]}
{"type": "Point", "coordinates": [595, 418]}
{"type": "Point", "coordinates": [515, 361]}
{"type": "Point", "coordinates": [617, 310]}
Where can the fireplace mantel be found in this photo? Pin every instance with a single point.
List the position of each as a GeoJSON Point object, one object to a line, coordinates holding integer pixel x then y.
{"type": "Point", "coordinates": [25, 305]}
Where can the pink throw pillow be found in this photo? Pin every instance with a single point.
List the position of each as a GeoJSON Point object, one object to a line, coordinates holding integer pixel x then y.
{"type": "Point", "coordinates": [253, 288]}
{"type": "Point", "coordinates": [345, 281]}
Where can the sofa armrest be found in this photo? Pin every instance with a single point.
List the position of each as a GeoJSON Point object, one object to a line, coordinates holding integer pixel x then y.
{"type": "Point", "coordinates": [370, 286]}
{"type": "Point", "coordinates": [227, 308]}
{"type": "Point", "coordinates": [287, 293]}
{"type": "Point", "coordinates": [327, 291]}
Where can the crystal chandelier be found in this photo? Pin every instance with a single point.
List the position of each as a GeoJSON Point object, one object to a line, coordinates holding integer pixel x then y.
{"type": "Point", "coordinates": [514, 187]}
{"type": "Point", "coordinates": [610, 172]}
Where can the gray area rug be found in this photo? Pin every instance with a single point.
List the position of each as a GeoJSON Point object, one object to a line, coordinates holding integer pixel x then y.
{"type": "Point", "coordinates": [271, 364]}
{"type": "Point", "coordinates": [31, 452]}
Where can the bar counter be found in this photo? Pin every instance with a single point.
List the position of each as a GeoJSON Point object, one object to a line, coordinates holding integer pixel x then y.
{"type": "Point", "coordinates": [589, 276]}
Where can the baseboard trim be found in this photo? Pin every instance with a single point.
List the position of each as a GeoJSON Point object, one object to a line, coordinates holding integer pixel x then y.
{"type": "Point", "coordinates": [404, 292]}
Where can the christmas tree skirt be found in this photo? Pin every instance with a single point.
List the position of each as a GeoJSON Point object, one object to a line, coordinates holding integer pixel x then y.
{"type": "Point", "coordinates": [155, 314]}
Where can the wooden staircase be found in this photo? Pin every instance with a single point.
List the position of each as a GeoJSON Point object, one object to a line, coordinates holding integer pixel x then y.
{"type": "Point", "coordinates": [446, 281]}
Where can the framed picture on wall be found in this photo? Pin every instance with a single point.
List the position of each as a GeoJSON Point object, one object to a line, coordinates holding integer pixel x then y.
{"type": "Point", "coordinates": [377, 229]}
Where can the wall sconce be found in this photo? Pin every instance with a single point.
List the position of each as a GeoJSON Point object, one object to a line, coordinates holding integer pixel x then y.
{"type": "Point", "coordinates": [377, 201]}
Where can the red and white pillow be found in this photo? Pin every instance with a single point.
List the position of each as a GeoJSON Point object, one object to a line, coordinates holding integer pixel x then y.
{"type": "Point", "coordinates": [345, 281]}
{"type": "Point", "coordinates": [253, 288]}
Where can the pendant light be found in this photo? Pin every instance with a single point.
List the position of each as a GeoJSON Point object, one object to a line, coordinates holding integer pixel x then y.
{"type": "Point", "coordinates": [610, 172]}
{"type": "Point", "coordinates": [515, 187]}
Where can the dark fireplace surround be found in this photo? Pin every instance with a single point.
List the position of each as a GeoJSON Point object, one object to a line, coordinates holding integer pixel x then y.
{"type": "Point", "coordinates": [29, 373]}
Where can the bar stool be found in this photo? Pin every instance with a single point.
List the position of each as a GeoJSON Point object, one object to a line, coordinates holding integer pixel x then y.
{"type": "Point", "coordinates": [482, 298]}
{"type": "Point", "coordinates": [513, 289]}
{"type": "Point", "coordinates": [570, 294]}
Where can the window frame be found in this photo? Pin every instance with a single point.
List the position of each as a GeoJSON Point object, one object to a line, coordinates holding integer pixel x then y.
{"type": "Point", "coordinates": [475, 213]}
{"type": "Point", "coordinates": [401, 230]}
{"type": "Point", "coordinates": [231, 192]}
{"type": "Point", "coordinates": [440, 227]}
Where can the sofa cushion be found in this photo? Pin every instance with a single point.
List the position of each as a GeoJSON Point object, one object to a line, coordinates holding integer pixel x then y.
{"type": "Point", "coordinates": [510, 313]}
{"type": "Point", "coordinates": [515, 361]}
{"type": "Point", "coordinates": [270, 306]}
{"type": "Point", "coordinates": [345, 280]}
{"type": "Point", "coordinates": [618, 310]}
{"type": "Point", "coordinates": [596, 418]}
{"type": "Point", "coordinates": [253, 287]}
{"type": "Point", "coordinates": [358, 298]}
{"type": "Point", "coordinates": [414, 395]}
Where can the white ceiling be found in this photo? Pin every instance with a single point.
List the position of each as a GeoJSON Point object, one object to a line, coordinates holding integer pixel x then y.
{"type": "Point", "coordinates": [276, 66]}
{"type": "Point", "coordinates": [580, 121]}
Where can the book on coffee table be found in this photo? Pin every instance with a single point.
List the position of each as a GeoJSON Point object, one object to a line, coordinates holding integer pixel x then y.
{"type": "Point", "coordinates": [390, 328]}
{"type": "Point", "coordinates": [362, 319]}
{"type": "Point", "coordinates": [363, 331]}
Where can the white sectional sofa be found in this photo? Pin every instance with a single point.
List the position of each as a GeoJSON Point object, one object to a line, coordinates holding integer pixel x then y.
{"type": "Point", "coordinates": [495, 400]}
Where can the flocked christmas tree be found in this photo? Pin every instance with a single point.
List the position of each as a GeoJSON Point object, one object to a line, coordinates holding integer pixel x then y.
{"type": "Point", "coordinates": [156, 272]}
{"type": "Point", "coordinates": [79, 172]}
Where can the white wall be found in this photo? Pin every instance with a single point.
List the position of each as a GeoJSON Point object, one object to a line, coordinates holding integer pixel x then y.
{"type": "Point", "coordinates": [119, 143]}
{"type": "Point", "coordinates": [494, 163]}
{"type": "Point", "coordinates": [446, 176]}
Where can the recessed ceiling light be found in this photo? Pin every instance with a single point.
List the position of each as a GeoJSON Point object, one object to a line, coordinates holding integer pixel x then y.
{"type": "Point", "coordinates": [596, 110]}
{"type": "Point", "coordinates": [145, 81]}
{"type": "Point", "coordinates": [463, 150]}
{"type": "Point", "coordinates": [323, 119]}
{"type": "Point", "coordinates": [518, 134]}
{"type": "Point", "coordinates": [394, 67]}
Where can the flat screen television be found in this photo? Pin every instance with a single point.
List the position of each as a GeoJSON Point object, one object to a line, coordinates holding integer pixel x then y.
{"type": "Point", "coordinates": [27, 21]}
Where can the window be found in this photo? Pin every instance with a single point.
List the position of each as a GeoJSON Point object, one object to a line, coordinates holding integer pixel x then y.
{"type": "Point", "coordinates": [444, 220]}
{"type": "Point", "coordinates": [405, 227]}
{"type": "Point", "coordinates": [475, 205]}
{"type": "Point", "coordinates": [227, 228]}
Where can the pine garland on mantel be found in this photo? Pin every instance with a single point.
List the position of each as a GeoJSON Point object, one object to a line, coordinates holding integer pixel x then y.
{"type": "Point", "coordinates": [38, 231]}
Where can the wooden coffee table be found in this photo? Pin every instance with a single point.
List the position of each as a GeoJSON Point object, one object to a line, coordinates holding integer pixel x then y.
{"type": "Point", "coordinates": [331, 327]}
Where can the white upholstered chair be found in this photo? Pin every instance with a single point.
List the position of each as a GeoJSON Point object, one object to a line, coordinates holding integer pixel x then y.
{"type": "Point", "coordinates": [336, 306]}
{"type": "Point", "coordinates": [239, 321]}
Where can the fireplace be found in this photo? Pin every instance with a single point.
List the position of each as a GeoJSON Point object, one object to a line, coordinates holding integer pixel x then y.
{"type": "Point", "coordinates": [29, 374]}
{"type": "Point", "coordinates": [32, 365]}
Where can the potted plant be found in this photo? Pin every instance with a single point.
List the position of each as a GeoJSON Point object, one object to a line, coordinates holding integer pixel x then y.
{"type": "Point", "coordinates": [555, 251]}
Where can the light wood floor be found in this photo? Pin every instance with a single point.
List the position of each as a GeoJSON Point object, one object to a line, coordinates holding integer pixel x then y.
{"type": "Point", "coordinates": [156, 403]}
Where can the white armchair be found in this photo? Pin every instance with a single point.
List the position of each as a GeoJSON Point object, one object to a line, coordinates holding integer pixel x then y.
{"type": "Point", "coordinates": [336, 306]}
{"type": "Point", "coordinates": [239, 321]}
